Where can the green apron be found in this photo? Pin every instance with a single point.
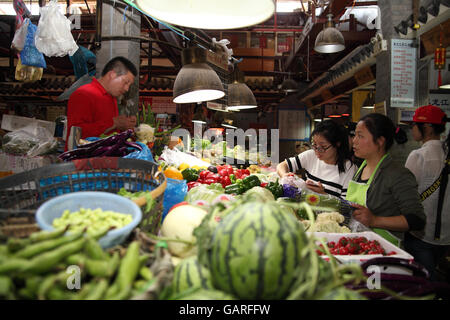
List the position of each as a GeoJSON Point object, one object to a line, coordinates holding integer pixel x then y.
{"type": "Point", "coordinates": [357, 192]}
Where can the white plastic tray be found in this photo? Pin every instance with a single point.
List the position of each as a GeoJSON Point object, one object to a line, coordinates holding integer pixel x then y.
{"type": "Point", "coordinates": [387, 246]}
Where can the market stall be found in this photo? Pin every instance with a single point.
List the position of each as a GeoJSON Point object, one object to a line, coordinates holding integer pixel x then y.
{"type": "Point", "coordinates": [203, 229]}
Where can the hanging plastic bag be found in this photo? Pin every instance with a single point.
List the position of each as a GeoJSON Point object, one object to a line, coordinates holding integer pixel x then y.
{"type": "Point", "coordinates": [53, 37]}
{"type": "Point", "coordinates": [30, 55]}
{"type": "Point", "coordinates": [175, 192]}
{"type": "Point", "coordinates": [83, 62]}
{"type": "Point", "coordinates": [20, 36]}
{"type": "Point", "coordinates": [28, 73]}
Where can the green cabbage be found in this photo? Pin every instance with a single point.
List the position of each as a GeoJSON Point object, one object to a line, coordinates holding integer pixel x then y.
{"type": "Point", "coordinates": [204, 192]}
{"type": "Point", "coordinates": [260, 194]}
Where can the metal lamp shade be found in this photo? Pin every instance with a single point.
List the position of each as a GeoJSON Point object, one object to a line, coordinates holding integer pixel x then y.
{"type": "Point", "coordinates": [289, 86]}
{"type": "Point", "coordinates": [209, 14]}
{"type": "Point", "coordinates": [330, 39]}
{"type": "Point", "coordinates": [196, 81]}
{"type": "Point", "coordinates": [240, 97]}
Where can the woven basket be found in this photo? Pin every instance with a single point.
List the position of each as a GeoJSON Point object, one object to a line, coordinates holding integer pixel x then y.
{"type": "Point", "coordinates": [22, 193]}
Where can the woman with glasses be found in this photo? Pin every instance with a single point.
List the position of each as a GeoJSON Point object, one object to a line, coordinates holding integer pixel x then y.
{"type": "Point", "coordinates": [384, 194]}
{"type": "Point", "coordinates": [327, 165]}
{"type": "Point", "coordinates": [430, 166]}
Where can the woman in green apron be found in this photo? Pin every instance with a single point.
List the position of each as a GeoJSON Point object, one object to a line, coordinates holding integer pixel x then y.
{"type": "Point", "coordinates": [384, 193]}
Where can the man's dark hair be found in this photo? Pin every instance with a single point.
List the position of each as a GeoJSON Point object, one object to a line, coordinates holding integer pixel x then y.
{"type": "Point", "coordinates": [120, 65]}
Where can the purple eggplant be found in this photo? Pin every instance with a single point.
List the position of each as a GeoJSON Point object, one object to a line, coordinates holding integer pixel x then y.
{"type": "Point", "coordinates": [133, 145]}
{"type": "Point", "coordinates": [416, 268]}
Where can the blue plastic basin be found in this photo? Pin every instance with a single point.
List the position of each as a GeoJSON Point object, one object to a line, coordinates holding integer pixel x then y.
{"type": "Point", "coordinates": [74, 201]}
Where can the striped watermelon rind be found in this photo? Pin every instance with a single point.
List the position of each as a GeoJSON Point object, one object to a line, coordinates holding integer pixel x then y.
{"type": "Point", "coordinates": [190, 273]}
{"type": "Point", "coordinates": [255, 250]}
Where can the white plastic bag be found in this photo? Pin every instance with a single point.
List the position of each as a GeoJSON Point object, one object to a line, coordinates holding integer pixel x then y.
{"type": "Point", "coordinates": [53, 37]}
{"type": "Point", "coordinates": [294, 181]}
{"type": "Point", "coordinates": [31, 140]}
{"type": "Point", "coordinates": [20, 35]}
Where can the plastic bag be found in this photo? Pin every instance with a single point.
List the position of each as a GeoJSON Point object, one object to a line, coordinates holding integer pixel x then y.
{"type": "Point", "coordinates": [83, 62]}
{"type": "Point", "coordinates": [294, 181]}
{"type": "Point", "coordinates": [30, 55]}
{"type": "Point", "coordinates": [31, 140]}
{"type": "Point", "coordinates": [28, 73]}
{"type": "Point", "coordinates": [20, 35]}
{"type": "Point", "coordinates": [176, 157]}
{"type": "Point", "coordinates": [144, 154]}
{"type": "Point", "coordinates": [175, 192]}
{"type": "Point", "coordinates": [53, 36]}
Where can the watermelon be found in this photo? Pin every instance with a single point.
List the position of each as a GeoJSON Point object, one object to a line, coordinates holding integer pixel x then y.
{"type": "Point", "coordinates": [190, 273]}
{"type": "Point", "coordinates": [207, 294]}
{"type": "Point", "coordinates": [254, 251]}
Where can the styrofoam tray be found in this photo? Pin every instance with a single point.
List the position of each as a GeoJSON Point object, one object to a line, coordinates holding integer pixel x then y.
{"type": "Point", "coordinates": [387, 246]}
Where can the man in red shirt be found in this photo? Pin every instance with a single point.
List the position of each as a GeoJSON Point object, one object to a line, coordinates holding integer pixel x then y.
{"type": "Point", "coordinates": [93, 107]}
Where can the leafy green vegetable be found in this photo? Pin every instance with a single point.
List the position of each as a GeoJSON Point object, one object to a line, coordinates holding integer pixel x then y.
{"type": "Point", "coordinates": [134, 195]}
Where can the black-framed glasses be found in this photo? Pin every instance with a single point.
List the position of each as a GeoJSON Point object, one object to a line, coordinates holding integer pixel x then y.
{"type": "Point", "coordinates": [320, 149]}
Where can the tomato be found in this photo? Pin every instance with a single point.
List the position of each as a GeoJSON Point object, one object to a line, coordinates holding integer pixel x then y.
{"type": "Point", "coordinates": [224, 173]}
{"type": "Point", "coordinates": [331, 244]}
{"type": "Point", "coordinates": [344, 251]}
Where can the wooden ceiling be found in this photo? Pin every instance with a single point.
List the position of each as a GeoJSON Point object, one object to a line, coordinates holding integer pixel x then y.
{"type": "Point", "coordinates": [265, 67]}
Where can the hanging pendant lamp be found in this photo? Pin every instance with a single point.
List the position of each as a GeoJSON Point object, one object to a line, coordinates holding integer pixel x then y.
{"type": "Point", "coordinates": [239, 94]}
{"type": "Point", "coordinates": [330, 39]}
{"type": "Point", "coordinates": [289, 86]}
{"type": "Point", "coordinates": [209, 14]}
{"type": "Point", "coordinates": [196, 81]}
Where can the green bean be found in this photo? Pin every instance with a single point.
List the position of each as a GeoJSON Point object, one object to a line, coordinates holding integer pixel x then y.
{"type": "Point", "coordinates": [46, 285]}
{"type": "Point", "coordinates": [129, 267]}
{"type": "Point", "coordinates": [111, 291]}
{"type": "Point", "coordinates": [97, 268]}
{"type": "Point", "coordinates": [47, 260]}
{"type": "Point", "coordinates": [93, 250]}
{"type": "Point", "coordinates": [143, 259]}
{"type": "Point", "coordinates": [98, 291]}
{"type": "Point", "coordinates": [101, 233]}
{"type": "Point", "coordinates": [122, 294]}
{"type": "Point", "coordinates": [146, 273]}
{"type": "Point", "coordinates": [56, 293]}
{"type": "Point", "coordinates": [78, 259]}
{"type": "Point", "coordinates": [47, 235]}
{"type": "Point", "coordinates": [24, 293]}
{"type": "Point", "coordinates": [37, 248]}
{"type": "Point", "coordinates": [139, 284]}
{"type": "Point", "coordinates": [6, 286]}
{"type": "Point", "coordinates": [4, 250]}
{"type": "Point", "coordinates": [84, 291]}
{"type": "Point", "coordinates": [32, 284]}
{"type": "Point", "coordinates": [13, 265]}
{"type": "Point", "coordinates": [15, 244]}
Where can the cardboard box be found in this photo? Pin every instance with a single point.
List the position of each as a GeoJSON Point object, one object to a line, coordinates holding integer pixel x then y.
{"type": "Point", "coordinates": [387, 246]}
{"type": "Point", "coordinates": [11, 123]}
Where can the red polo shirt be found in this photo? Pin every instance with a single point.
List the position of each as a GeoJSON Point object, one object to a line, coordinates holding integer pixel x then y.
{"type": "Point", "coordinates": [91, 108]}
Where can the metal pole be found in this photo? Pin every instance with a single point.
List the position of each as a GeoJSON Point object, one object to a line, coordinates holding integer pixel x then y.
{"type": "Point", "coordinates": [98, 25]}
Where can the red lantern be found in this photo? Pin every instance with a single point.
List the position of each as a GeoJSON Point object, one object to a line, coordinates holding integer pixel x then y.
{"type": "Point", "coordinates": [439, 58]}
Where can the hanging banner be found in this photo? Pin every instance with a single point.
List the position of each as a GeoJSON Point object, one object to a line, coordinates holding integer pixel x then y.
{"type": "Point", "coordinates": [403, 73]}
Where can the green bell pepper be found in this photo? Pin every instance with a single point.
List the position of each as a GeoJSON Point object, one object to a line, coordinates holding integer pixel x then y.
{"type": "Point", "coordinates": [275, 188]}
{"type": "Point", "coordinates": [190, 174]}
{"type": "Point", "coordinates": [250, 182]}
{"type": "Point", "coordinates": [232, 178]}
{"type": "Point", "coordinates": [235, 188]}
